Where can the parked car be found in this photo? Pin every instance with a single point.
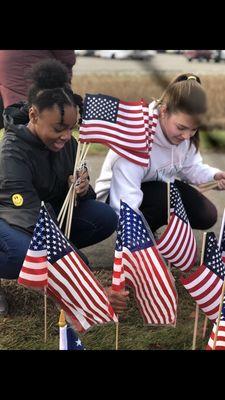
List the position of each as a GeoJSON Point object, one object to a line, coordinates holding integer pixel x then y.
{"type": "Point", "coordinates": [198, 55]}
{"type": "Point", "coordinates": [114, 53]}
{"type": "Point", "coordinates": [219, 55]}
{"type": "Point", "coordinates": [142, 54]}
{"type": "Point", "coordinates": [87, 53]}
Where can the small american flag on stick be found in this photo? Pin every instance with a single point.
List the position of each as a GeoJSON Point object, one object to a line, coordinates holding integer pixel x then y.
{"type": "Point", "coordinates": [138, 264]}
{"type": "Point", "coordinates": [205, 284]}
{"type": "Point", "coordinates": [122, 126]}
{"type": "Point", "coordinates": [57, 266]}
{"type": "Point", "coordinates": [177, 244]}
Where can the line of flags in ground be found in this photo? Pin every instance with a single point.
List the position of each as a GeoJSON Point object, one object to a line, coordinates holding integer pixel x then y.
{"type": "Point", "coordinates": [51, 262]}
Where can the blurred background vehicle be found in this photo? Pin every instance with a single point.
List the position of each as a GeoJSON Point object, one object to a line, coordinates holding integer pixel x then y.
{"type": "Point", "coordinates": [219, 55]}
{"type": "Point", "coordinates": [198, 55]}
{"type": "Point", "coordinates": [87, 53]}
{"type": "Point", "coordinates": [120, 54]}
{"type": "Point", "coordinates": [143, 54]}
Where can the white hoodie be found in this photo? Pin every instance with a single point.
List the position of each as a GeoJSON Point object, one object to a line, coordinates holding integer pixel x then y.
{"type": "Point", "coordinates": [123, 178]}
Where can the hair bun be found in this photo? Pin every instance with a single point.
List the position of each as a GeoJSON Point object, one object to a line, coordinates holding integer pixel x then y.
{"type": "Point", "coordinates": [49, 74]}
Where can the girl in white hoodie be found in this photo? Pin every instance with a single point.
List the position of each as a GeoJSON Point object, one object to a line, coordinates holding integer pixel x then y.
{"type": "Point", "coordinates": [174, 155]}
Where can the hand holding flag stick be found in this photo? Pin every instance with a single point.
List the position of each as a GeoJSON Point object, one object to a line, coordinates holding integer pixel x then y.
{"type": "Point", "coordinates": [70, 199]}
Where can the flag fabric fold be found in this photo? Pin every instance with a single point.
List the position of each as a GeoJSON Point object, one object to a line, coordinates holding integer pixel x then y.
{"type": "Point", "coordinates": [220, 340]}
{"type": "Point", "coordinates": [66, 277]}
{"type": "Point", "coordinates": [178, 244]}
{"type": "Point", "coordinates": [205, 284]}
{"type": "Point", "coordinates": [138, 264]}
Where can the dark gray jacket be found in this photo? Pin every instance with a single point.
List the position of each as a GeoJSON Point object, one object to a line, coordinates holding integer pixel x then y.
{"type": "Point", "coordinates": [29, 169]}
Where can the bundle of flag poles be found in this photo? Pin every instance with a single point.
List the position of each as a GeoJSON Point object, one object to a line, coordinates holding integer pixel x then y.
{"type": "Point", "coordinates": [70, 200]}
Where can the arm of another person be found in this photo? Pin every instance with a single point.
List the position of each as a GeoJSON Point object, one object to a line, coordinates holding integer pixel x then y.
{"type": "Point", "coordinates": [195, 171]}
{"type": "Point", "coordinates": [126, 184]}
{"type": "Point", "coordinates": [67, 57]}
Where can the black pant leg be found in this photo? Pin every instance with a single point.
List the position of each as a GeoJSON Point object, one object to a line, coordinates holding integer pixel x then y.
{"type": "Point", "coordinates": [154, 204]}
{"type": "Point", "coordinates": [201, 212]}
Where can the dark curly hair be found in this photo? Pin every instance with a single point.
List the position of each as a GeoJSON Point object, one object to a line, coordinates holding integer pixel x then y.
{"type": "Point", "coordinates": [50, 85]}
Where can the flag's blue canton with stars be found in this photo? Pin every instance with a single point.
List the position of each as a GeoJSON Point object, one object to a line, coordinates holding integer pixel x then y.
{"type": "Point", "coordinates": [132, 232]}
{"type": "Point", "coordinates": [213, 257]}
{"type": "Point", "coordinates": [73, 341]}
{"type": "Point", "coordinates": [222, 318]}
{"type": "Point", "coordinates": [176, 204]}
{"type": "Point", "coordinates": [48, 236]}
{"type": "Point", "coordinates": [222, 247]}
{"type": "Point", "coordinates": [101, 107]}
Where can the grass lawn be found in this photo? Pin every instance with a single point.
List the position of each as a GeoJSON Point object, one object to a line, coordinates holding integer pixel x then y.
{"type": "Point", "coordinates": [24, 327]}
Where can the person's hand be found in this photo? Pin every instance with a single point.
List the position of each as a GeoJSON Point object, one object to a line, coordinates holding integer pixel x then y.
{"type": "Point", "coordinates": [118, 300]}
{"type": "Point", "coordinates": [81, 182]}
{"type": "Point", "coordinates": [220, 177]}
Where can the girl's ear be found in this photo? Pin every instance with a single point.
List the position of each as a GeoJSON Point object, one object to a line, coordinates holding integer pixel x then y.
{"type": "Point", "coordinates": [163, 110]}
{"type": "Point", "coordinates": [33, 114]}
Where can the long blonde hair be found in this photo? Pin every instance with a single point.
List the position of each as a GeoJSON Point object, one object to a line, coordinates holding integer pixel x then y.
{"type": "Point", "coordinates": [185, 94]}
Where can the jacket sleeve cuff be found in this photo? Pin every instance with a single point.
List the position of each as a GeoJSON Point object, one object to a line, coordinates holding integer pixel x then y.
{"type": "Point", "coordinates": [88, 196]}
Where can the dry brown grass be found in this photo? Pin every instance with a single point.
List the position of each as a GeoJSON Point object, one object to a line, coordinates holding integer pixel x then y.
{"type": "Point", "coordinates": [148, 86]}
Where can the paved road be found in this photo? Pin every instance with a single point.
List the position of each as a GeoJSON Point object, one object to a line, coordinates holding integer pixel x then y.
{"type": "Point", "coordinates": [162, 63]}
{"type": "Point", "coordinates": [101, 255]}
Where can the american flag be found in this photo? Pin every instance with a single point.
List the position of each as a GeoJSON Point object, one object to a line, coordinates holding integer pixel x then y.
{"type": "Point", "coordinates": [122, 126]}
{"type": "Point", "coordinates": [205, 284]}
{"type": "Point", "coordinates": [69, 281]}
{"type": "Point", "coordinates": [177, 244]}
{"type": "Point", "coordinates": [220, 340]}
{"type": "Point", "coordinates": [138, 264]}
{"type": "Point", "coordinates": [68, 339]}
{"type": "Point", "coordinates": [222, 238]}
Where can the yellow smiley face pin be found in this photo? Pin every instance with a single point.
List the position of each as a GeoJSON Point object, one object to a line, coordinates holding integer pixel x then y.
{"type": "Point", "coordinates": [17, 200]}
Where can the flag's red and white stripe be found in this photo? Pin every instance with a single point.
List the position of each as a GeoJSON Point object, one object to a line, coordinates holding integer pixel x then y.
{"type": "Point", "coordinates": [34, 271]}
{"type": "Point", "coordinates": [77, 291]}
{"type": "Point", "coordinates": [178, 244]}
{"type": "Point", "coordinates": [153, 286]}
{"type": "Point", "coordinates": [128, 132]}
{"type": "Point", "coordinates": [206, 288]}
{"type": "Point", "coordinates": [220, 340]}
{"type": "Point", "coordinates": [118, 277]}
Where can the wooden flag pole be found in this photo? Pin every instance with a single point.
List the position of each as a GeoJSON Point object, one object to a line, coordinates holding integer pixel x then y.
{"type": "Point", "coordinates": [213, 186]}
{"type": "Point", "coordinates": [65, 204]}
{"type": "Point", "coordinates": [82, 153]}
{"type": "Point", "coordinates": [168, 212]}
{"type": "Point", "coordinates": [117, 333]}
{"type": "Point", "coordinates": [45, 314]}
{"type": "Point", "coordinates": [197, 306]}
{"type": "Point", "coordinates": [45, 303]}
{"type": "Point", "coordinates": [207, 186]}
{"type": "Point", "coordinates": [204, 327]}
{"type": "Point", "coordinates": [85, 154]}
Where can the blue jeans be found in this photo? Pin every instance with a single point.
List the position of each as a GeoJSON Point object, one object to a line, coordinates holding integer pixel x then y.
{"type": "Point", "coordinates": [92, 222]}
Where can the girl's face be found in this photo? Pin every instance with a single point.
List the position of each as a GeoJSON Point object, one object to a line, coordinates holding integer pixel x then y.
{"type": "Point", "coordinates": [48, 127]}
{"type": "Point", "coordinates": [178, 126]}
